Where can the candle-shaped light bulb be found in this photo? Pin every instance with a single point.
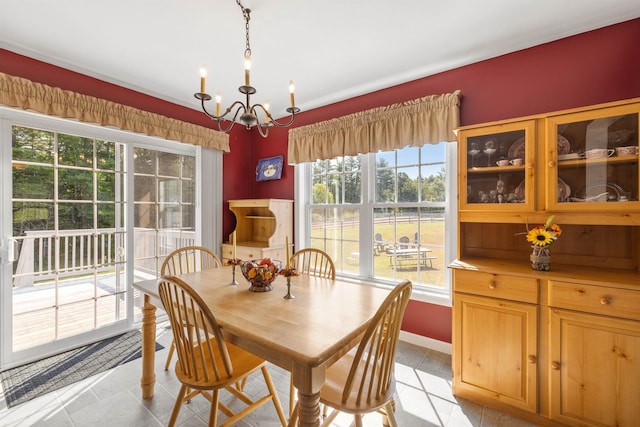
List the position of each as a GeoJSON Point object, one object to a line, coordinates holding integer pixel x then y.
{"type": "Point", "coordinates": [266, 111]}
{"type": "Point", "coordinates": [203, 77]}
{"type": "Point", "coordinates": [287, 245]}
{"type": "Point", "coordinates": [218, 101]}
{"type": "Point", "coordinates": [234, 245]}
{"type": "Point", "coordinates": [292, 90]}
{"type": "Point", "coordinates": [247, 68]}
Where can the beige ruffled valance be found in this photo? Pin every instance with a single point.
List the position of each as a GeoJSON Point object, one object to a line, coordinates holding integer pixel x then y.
{"type": "Point", "coordinates": [428, 120]}
{"type": "Point", "coordinates": [22, 93]}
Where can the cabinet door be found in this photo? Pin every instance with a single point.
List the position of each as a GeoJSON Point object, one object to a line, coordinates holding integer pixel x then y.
{"type": "Point", "coordinates": [594, 165]}
{"type": "Point", "coordinates": [496, 167]}
{"type": "Point", "coordinates": [495, 350]}
{"type": "Point", "coordinates": [595, 370]}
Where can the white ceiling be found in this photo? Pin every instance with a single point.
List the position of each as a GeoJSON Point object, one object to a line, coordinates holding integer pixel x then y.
{"type": "Point", "coordinates": [332, 49]}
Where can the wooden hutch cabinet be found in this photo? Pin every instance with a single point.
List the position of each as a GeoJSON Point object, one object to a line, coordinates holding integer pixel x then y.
{"type": "Point", "coordinates": [559, 347]}
{"type": "Point", "coordinates": [262, 228]}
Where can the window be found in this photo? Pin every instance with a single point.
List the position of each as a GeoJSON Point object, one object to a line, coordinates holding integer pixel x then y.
{"type": "Point", "coordinates": [385, 216]}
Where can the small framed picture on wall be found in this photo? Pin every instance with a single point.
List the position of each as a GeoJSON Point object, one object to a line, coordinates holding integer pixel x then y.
{"type": "Point", "coordinates": [269, 168]}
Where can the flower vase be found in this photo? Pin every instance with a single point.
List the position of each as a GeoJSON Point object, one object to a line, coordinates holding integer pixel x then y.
{"type": "Point", "coordinates": [540, 258]}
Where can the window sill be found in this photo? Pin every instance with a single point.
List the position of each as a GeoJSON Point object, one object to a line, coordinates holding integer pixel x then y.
{"type": "Point", "coordinates": [419, 293]}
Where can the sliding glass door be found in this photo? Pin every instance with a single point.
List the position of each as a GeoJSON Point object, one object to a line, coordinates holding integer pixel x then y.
{"type": "Point", "coordinates": [68, 237]}
{"type": "Point", "coordinates": [86, 211]}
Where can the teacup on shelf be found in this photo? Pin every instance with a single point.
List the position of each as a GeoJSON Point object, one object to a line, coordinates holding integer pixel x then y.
{"type": "Point", "coordinates": [598, 153]}
{"type": "Point", "coordinates": [627, 151]}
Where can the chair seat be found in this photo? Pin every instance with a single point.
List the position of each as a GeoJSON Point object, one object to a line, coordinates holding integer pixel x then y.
{"type": "Point", "coordinates": [331, 392]}
{"type": "Point", "coordinates": [244, 363]}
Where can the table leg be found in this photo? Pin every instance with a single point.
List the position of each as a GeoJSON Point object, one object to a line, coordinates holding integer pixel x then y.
{"type": "Point", "coordinates": [148, 380]}
{"type": "Point", "coordinates": [308, 381]}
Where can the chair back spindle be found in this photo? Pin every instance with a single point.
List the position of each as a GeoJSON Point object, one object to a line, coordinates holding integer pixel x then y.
{"type": "Point", "coordinates": [314, 262]}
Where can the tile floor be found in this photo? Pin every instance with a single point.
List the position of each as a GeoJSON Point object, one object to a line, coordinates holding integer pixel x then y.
{"type": "Point", "coordinates": [112, 399]}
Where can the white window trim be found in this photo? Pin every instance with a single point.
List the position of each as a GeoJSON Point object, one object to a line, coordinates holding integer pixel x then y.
{"type": "Point", "coordinates": [302, 178]}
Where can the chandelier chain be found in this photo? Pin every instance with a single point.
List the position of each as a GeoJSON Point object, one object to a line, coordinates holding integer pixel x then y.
{"type": "Point", "coordinates": [246, 13]}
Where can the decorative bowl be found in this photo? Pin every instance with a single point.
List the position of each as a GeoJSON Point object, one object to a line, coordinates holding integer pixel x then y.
{"type": "Point", "coordinates": [260, 273]}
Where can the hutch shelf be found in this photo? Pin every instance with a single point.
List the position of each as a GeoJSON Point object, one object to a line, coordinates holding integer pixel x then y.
{"type": "Point", "coordinates": [262, 228]}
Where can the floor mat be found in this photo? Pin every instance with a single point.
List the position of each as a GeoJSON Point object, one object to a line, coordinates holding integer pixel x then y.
{"type": "Point", "coordinates": [29, 381]}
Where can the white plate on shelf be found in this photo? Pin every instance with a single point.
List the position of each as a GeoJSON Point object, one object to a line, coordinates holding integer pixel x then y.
{"type": "Point", "coordinates": [570, 156]}
{"type": "Point", "coordinates": [564, 191]}
{"type": "Point", "coordinates": [517, 149]}
{"type": "Point", "coordinates": [602, 192]}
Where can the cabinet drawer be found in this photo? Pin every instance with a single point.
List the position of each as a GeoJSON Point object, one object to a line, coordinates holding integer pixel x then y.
{"type": "Point", "coordinates": [623, 303]}
{"type": "Point", "coordinates": [246, 253]}
{"type": "Point", "coordinates": [496, 285]}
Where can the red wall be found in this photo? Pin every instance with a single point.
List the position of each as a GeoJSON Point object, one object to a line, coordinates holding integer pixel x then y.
{"type": "Point", "coordinates": [590, 68]}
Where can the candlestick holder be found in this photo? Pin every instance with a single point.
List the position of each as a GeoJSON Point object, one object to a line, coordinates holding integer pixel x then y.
{"type": "Point", "coordinates": [233, 275]}
{"type": "Point", "coordinates": [233, 263]}
{"type": "Point", "coordinates": [288, 295]}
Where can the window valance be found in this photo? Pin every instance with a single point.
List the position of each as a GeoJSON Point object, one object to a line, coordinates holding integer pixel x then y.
{"type": "Point", "coordinates": [427, 120]}
{"type": "Point", "coordinates": [22, 93]}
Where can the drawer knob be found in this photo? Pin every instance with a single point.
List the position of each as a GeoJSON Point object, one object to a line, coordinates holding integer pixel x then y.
{"type": "Point", "coordinates": [493, 284]}
{"type": "Point", "coordinates": [605, 300]}
{"type": "Point", "coordinates": [555, 365]}
{"type": "Point", "coordinates": [532, 358]}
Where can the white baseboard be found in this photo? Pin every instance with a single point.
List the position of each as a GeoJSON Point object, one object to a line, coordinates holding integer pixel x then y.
{"type": "Point", "coordinates": [422, 341]}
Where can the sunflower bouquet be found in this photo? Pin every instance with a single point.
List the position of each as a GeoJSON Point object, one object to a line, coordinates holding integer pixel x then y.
{"type": "Point", "coordinates": [543, 236]}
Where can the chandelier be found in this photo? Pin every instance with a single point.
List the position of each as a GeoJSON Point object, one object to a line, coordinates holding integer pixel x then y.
{"type": "Point", "coordinates": [248, 114]}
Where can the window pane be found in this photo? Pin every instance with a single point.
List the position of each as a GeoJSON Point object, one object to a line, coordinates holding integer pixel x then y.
{"type": "Point", "coordinates": [433, 183]}
{"type": "Point", "coordinates": [33, 182]}
{"type": "Point", "coordinates": [144, 161]}
{"type": "Point", "coordinates": [169, 164]}
{"type": "Point", "coordinates": [144, 215]}
{"type": "Point", "coordinates": [74, 184]}
{"type": "Point", "coordinates": [75, 216]}
{"type": "Point", "coordinates": [337, 232]}
{"type": "Point", "coordinates": [109, 156]}
{"type": "Point", "coordinates": [408, 184]}
{"type": "Point", "coordinates": [75, 150]}
{"type": "Point", "coordinates": [145, 188]}
{"type": "Point", "coordinates": [33, 145]}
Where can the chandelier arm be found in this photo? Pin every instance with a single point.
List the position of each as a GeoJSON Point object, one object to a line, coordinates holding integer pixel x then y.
{"type": "Point", "coordinates": [232, 122]}
{"type": "Point", "coordinates": [263, 129]}
{"type": "Point", "coordinates": [273, 121]}
{"type": "Point", "coordinates": [280, 124]}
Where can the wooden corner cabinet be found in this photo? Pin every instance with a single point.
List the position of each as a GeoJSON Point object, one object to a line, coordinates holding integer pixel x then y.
{"type": "Point", "coordinates": [262, 228]}
{"type": "Point", "coordinates": [560, 347]}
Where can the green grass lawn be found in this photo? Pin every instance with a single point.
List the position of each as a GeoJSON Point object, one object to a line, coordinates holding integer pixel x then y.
{"type": "Point", "coordinates": [431, 237]}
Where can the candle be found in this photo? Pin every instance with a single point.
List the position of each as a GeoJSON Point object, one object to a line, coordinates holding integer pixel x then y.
{"type": "Point", "coordinates": [234, 245]}
{"type": "Point", "coordinates": [292, 89]}
{"type": "Point", "coordinates": [266, 111]}
{"type": "Point", "coordinates": [247, 67]}
{"type": "Point", "coordinates": [287, 244]}
{"type": "Point", "coordinates": [218, 100]}
{"type": "Point", "coordinates": [203, 75]}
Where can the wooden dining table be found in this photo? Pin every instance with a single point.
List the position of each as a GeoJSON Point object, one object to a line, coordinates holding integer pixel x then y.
{"type": "Point", "coordinates": [304, 335]}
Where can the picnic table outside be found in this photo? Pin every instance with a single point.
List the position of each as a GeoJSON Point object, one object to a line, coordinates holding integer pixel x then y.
{"type": "Point", "coordinates": [400, 256]}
